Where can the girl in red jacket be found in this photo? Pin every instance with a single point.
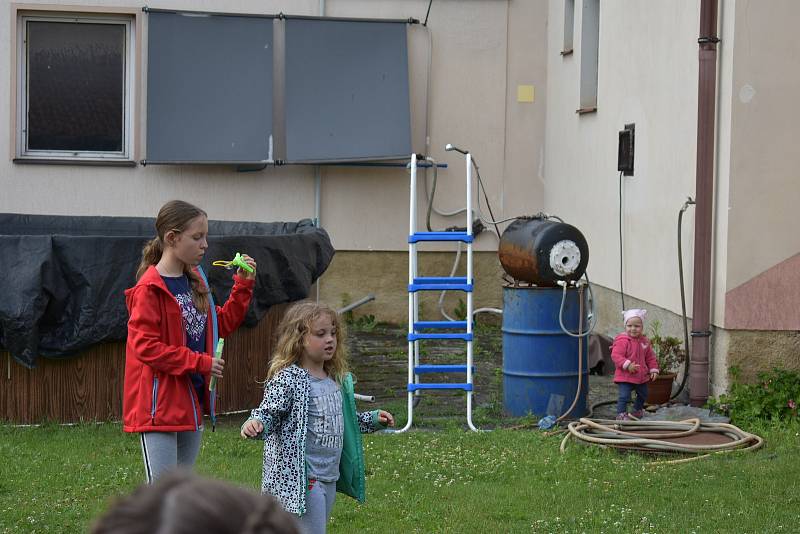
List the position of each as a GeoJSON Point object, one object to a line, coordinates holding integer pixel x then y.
{"type": "Point", "coordinates": [635, 362]}
{"type": "Point", "coordinates": [172, 331]}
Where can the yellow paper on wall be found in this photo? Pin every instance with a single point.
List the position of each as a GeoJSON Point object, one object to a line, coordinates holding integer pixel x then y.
{"type": "Point", "coordinates": [525, 93]}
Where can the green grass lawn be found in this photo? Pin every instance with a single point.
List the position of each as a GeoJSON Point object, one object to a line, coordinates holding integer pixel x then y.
{"type": "Point", "coordinates": [56, 479]}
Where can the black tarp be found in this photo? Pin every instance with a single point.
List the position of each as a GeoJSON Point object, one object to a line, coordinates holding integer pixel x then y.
{"type": "Point", "coordinates": [63, 278]}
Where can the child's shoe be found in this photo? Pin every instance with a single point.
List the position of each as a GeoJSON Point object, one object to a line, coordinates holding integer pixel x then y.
{"type": "Point", "coordinates": [638, 414]}
{"type": "Point", "coordinates": [623, 416]}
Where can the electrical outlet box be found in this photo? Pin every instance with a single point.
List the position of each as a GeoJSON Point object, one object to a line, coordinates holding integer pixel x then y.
{"type": "Point", "coordinates": [625, 150]}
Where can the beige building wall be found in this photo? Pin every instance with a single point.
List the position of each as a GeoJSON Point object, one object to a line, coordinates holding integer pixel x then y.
{"type": "Point", "coordinates": [480, 53]}
{"type": "Point", "coordinates": [647, 75]}
{"type": "Point", "coordinates": [763, 263]}
{"type": "Point", "coordinates": [473, 78]}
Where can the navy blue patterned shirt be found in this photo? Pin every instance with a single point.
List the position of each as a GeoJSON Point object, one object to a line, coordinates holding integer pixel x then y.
{"type": "Point", "coordinates": [194, 321]}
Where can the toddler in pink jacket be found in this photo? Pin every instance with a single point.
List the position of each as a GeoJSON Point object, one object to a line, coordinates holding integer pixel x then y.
{"type": "Point", "coordinates": [635, 362]}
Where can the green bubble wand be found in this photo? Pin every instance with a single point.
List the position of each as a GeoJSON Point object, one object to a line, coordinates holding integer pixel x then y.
{"type": "Point", "coordinates": [237, 261]}
{"type": "Point", "coordinates": [217, 354]}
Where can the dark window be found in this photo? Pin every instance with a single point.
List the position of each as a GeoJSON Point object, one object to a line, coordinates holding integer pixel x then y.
{"type": "Point", "coordinates": [590, 44]}
{"type": "Point", "coordinates": [75, 88]}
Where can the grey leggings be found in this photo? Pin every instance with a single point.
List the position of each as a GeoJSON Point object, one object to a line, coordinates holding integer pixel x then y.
{"type": "Point", "coordinates": [163, 451]}
{"type": "Point", "coordinates": [319, 505]}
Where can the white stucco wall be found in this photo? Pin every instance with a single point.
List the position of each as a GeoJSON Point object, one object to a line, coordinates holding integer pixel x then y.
{"type": "Point", "coordinates": [647, 75]}
{"type": "Point", "coordinates": [765, 189]}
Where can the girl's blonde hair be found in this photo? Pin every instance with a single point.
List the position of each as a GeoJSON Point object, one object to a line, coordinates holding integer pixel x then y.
{"type": "Point", "coordinates": [293, 329]}
{"type": "Point", "coordinates": [175, 216]}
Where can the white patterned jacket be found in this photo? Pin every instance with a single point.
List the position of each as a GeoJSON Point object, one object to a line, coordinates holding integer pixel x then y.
{"type": "Point", "coordinates": [284, 414]}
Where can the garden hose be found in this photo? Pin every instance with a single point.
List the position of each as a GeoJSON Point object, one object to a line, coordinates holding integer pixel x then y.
{"type": "Point", "coordinates": [686, 204]}
{"type": "Point", "coordinates": [629, 435]}
{"type": "Point", "coordinates": [580, 350]}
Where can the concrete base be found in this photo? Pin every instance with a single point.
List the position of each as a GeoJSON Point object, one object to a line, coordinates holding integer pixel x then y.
{"type": "Point", "coordinates": [353, 274]}
{"type": "Point", "coordinates": [750, 351]}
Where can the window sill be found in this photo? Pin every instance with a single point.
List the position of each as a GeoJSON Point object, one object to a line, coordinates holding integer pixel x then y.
{"type": "Point", "coordinates": [79, 162]}
{"type": "Point", "coordinates": [586, 111]}
{"type": "Point", "coordinates": [566, 52]}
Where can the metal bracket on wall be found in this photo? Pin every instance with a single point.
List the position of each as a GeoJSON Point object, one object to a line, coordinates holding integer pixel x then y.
{"type": "Point", "coordinates": [702, 333]}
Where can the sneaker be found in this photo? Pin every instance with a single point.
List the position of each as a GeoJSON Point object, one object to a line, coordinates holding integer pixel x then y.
{"type": "Point", "coordinates": [638, 414]}
{"type": "Point", "coordinates": [623, 417]}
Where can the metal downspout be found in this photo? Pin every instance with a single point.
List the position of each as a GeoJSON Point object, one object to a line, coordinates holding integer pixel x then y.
{"type": "Point", "coordinates": [318, 179]}
{"type": "Point", "coordinates": [704, 191]}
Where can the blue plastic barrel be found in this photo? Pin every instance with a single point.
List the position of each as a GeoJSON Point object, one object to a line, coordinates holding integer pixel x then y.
{"type": "Point", "coordinates": [540, 361]}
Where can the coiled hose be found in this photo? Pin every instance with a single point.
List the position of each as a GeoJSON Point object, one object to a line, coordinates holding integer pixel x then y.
{"type": "Point", "coordinates": [650, 436]}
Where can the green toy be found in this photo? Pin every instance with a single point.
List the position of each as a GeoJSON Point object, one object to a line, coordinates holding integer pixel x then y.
{"type": "Point", "coordinates": [217, 354]}
{"type": "Point", "coordinates": [237, 261]}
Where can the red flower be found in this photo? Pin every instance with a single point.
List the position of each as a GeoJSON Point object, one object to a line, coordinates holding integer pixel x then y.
{"type": "Point", "coordinates": [792, 404]}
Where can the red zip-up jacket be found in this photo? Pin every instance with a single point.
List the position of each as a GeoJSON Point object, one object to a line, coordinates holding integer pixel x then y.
{"type": "Point", "coordinates": [158, 392]}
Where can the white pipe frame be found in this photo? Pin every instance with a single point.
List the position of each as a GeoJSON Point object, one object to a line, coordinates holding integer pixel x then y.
{"type": "Point", "coordinates": [413, 302]}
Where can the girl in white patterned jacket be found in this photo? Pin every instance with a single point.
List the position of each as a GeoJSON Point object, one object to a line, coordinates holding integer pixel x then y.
{"type": "Point", "coordinates": [308, 420]}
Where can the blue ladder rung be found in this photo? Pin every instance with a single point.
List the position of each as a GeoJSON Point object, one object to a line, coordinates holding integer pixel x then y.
{"type": "Point", "coordinates": [440, 280]}
{"type": "Point", "coordinates": [437, 287]}
{"type": "Point", "coordinates": [440, 236]}
{"type": "Point", "coordinates": [415, 387]}
{"type": "Point", "coordinates": [463, 336]}
{"type": "Point", "coordinates": [441, 368]}
{"type": "Point", "coordinates": [419, 325]}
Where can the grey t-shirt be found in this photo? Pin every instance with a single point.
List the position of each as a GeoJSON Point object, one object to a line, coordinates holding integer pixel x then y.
{"type": "Point", "coordinates": [325, 430]}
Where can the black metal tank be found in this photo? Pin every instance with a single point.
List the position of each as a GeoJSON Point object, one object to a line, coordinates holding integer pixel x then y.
{"type": "Point", "coordinates": [543, 251]}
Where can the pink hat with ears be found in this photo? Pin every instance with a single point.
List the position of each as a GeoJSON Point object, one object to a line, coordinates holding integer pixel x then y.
{"type": "Point", "coordinates": [634, 312]}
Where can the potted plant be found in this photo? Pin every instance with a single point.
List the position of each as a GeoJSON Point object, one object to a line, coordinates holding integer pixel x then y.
{"type": "Point", "coordinates": [670, 355]}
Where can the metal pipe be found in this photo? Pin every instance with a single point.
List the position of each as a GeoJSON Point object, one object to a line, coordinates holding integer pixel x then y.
{"type": "Point", "coordinates": [265, 162]}
{"type": "Point", "coordinates": [146, 9]}
{"type": "Point", "coordinates": [470, 294]}
{"type": "Point", "coordinates": [704, 197]}
{"type": "Point", "coordinates": [317, 194]}
{"type": "Point", "coordinates": [356, 304]}
{"type": "Point", "coordinates": [409, 20]}
{"type": "Point", "coordinates": [412, 302]}
{"type": "Point", "coordinates": [370, 164]}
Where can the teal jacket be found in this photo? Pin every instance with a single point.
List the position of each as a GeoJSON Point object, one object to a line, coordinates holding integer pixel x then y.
{"type": "Point", "coordinates": [284, 414]}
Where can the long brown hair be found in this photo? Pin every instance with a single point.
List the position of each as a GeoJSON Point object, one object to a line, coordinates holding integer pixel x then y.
{"type": "Point", "coordinates": [175, 215]}
{"type": "Point", "coordinates": [294, 327]}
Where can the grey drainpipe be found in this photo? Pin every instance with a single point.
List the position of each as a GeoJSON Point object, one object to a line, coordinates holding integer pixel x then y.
{"type": "Point", "coordinates": [318, 177]}
{"type": "Point", "coordinates": [704, 191]}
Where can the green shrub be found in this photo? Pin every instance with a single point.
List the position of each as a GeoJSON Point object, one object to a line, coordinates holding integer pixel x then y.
{"type": "Point", "coordinates": [365, 323]}
{"type": "Point", "coordinates": [460, 311]}
{"type": "Point", "coordinates": [669, 352]}
{"type": "Point", "coordinates": [774, 397]}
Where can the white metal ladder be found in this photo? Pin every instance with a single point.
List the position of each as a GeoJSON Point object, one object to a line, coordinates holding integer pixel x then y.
{"type": "Point", "coordinates": [431, 330]}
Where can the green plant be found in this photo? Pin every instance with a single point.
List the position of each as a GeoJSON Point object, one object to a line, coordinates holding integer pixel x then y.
{"type": "Point", "coordinates": [669, 352]}
{"type": "Point", "coordinates": [460, 311]}
{"type": "Point", "coordinates": [365, 323]}
{"type": "Point", "coordinates": [775, 396]}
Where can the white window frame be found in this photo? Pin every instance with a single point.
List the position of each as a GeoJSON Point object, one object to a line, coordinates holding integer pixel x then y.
{"type": "Point", "coordinates": [128, 85]}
